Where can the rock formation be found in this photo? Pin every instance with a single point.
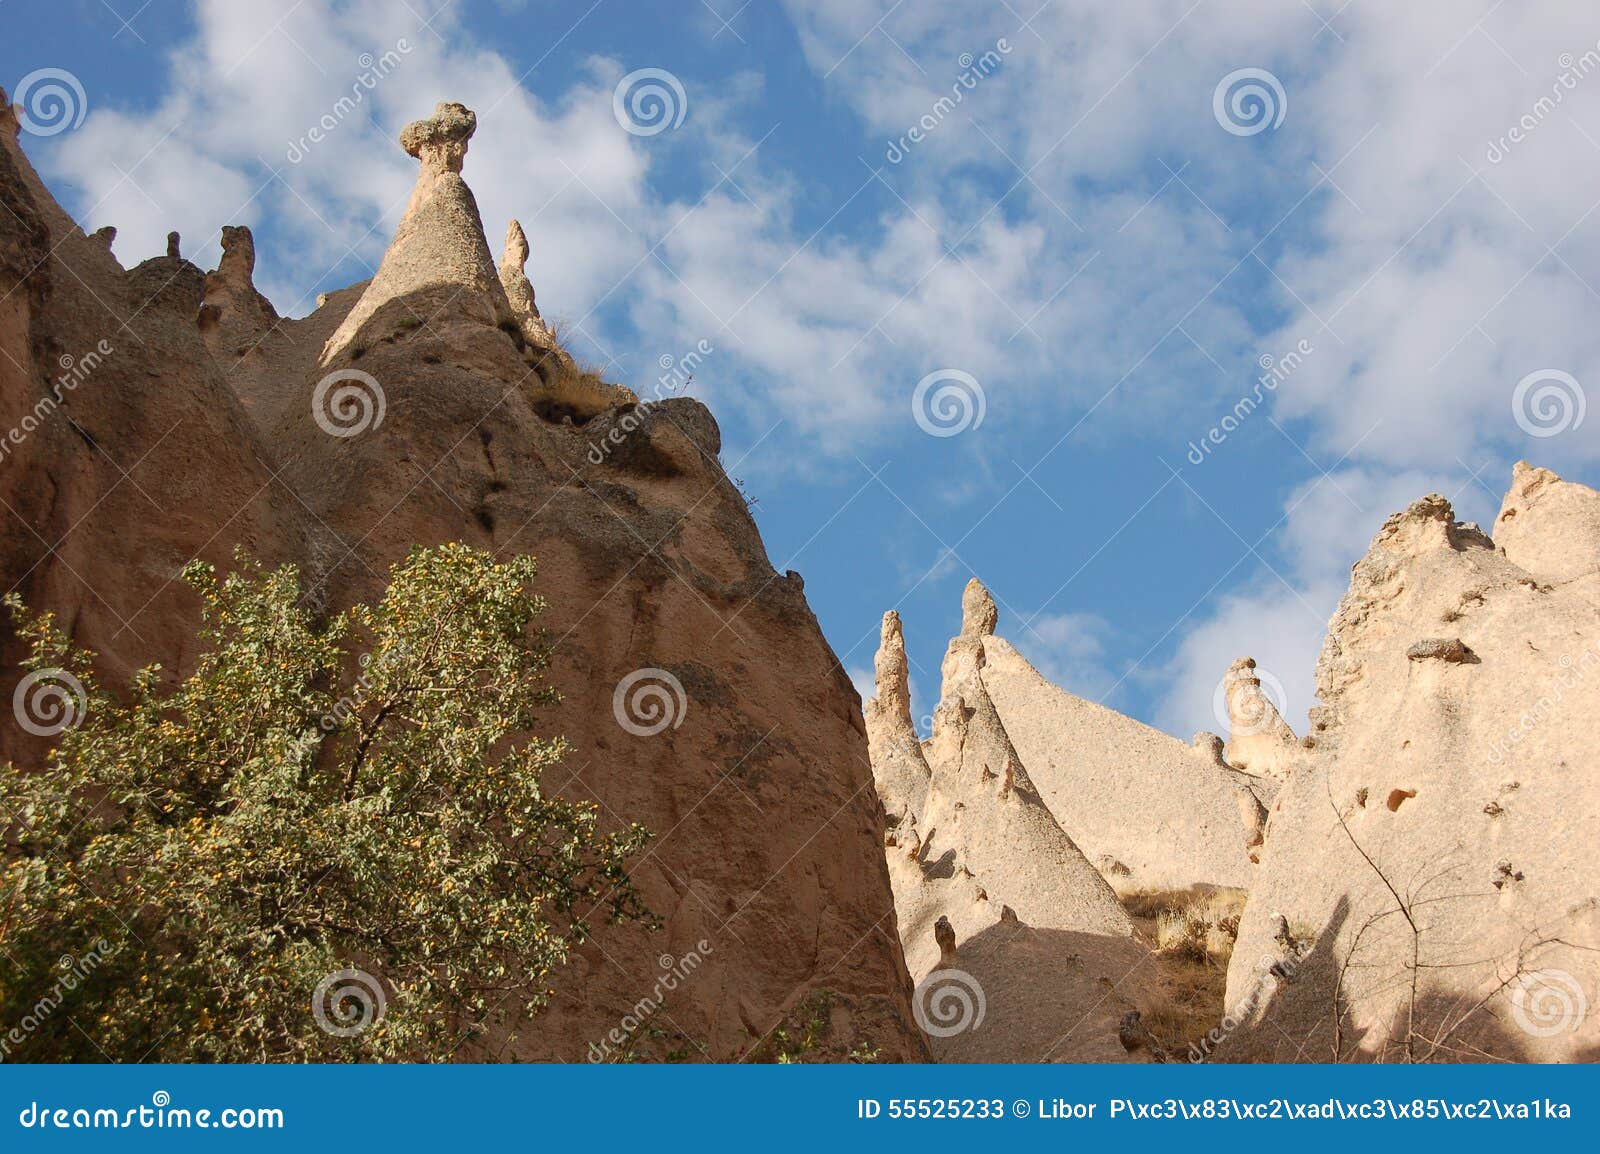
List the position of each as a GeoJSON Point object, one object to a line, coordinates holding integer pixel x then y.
{"type": "Point", "coordinates": [519, 290]}
{"type": "Point", "coordinates": [899, 769]}
{"type": "Point", "coordinates": [1427, 890]}
{"type": "Point", "coordinates": [402, 412]}
{"type": "Point", "coordinates": [437, 274]}
{"type": "Point", "coordinates": [996, 905]}
{"type": "Point", "coordinates": [123, 450]}
{"type": "Point", "coordinates": [1561, 540]}
{"type": "Point", "coordinates": [1148, 811]}
{"type": "Point", "coordinates": [1259, 740]}
{"type": "Point", "coordinates": [242, 330]}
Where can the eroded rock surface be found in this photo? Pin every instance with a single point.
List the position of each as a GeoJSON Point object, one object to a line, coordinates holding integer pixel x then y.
{"type": "Point", "coordinates": [403, 412]}
{"type": "Point", "coordinates": [997, 907]}
{"type": "Point", "coordinates": [1147, 810]}
{"type": "Point", "coordinates": [1442, 826]}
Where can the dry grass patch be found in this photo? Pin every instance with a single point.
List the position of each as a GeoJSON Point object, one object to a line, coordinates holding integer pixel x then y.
{"type": "Point", "coordinates": [1192, 932]}
{"type": "Point", "coordinates": [574, 392]}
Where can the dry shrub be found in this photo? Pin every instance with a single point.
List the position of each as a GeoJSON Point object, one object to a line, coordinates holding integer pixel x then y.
{"type": "Point", "coordinates": [571, 390]}
{"type": "Point", "coordinates": [1199, 925]}
{"type": "Point", "coordinates": [1193, 932]}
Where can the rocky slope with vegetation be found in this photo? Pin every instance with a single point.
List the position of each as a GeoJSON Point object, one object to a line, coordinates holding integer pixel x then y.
{"type": "Point", "coordinates": [341, 757]}
{"type": "Point", "coordinates": [432, 405]}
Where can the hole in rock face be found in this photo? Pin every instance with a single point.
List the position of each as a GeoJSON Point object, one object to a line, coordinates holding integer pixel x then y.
{"type": "Point", "coordinates": [1397, 797]}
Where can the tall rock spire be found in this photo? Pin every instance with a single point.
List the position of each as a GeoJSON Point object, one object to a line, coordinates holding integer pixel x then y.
{"type": "Point", "coordinates": [898, 767]}
{"type": "Point", "coordinates": [513, 274]}
{"type": "Point", "coordinates": [964, 656]}
{"type": "Point", "coordinates": [519, 291]}
{"type": "Point", "coordinates": [438, 274]}
{"type": "Point", "coordinates": [978, 613]}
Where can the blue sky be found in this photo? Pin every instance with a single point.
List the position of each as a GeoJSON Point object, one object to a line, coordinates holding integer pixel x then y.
{"type": "Point", "coordinates": [1398, 215]}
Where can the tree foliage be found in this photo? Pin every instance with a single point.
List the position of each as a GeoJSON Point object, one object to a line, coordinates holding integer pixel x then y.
{"type": "Point", "coordinates": [347, 812]}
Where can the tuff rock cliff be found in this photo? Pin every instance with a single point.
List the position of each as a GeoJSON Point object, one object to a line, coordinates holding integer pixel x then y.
{"type": "Point", "coordinates": [432, 404]}
{"type": "Point", "coordinates": [1420, 876]}
{"type": "Point", "coordinates": [1148, 811]}
{"type": "Point", "coordinates": [1020, 948]}
{"type": "Point", "coordinates": [1428, 889]}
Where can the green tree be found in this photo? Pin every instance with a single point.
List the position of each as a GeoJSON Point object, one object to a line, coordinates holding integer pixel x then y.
{"type": "Point", "coordinates": [245, 865]}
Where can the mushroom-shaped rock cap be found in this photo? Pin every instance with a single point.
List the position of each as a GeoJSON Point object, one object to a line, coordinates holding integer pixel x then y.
{"type": "Point", "coordinates": [978, 613]}
{"type": "Point", "coordinates": [440, 141]}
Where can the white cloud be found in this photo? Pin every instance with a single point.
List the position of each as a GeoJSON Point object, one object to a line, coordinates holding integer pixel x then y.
{"type": "Point", "coordinates": [1430, 278]}
{"type": "Point", "coordinates": [247, 94]}
{"type": "Point", "coordinates": [1281, 617]}
{"type": "Point", "coordinates": [865, 681]}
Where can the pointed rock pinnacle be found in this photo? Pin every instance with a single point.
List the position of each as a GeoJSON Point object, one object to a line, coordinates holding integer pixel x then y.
{"type": "Point", "coordinates": [238, 262]}
{"type": "Point", "coordinates": [978, 613]}
{"type": "Point", "coordinates": [519, 291]}
{"type": "Point", "coordinates": [898, 766]}
{"type": "Point", "coordinates": [893, 678]}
